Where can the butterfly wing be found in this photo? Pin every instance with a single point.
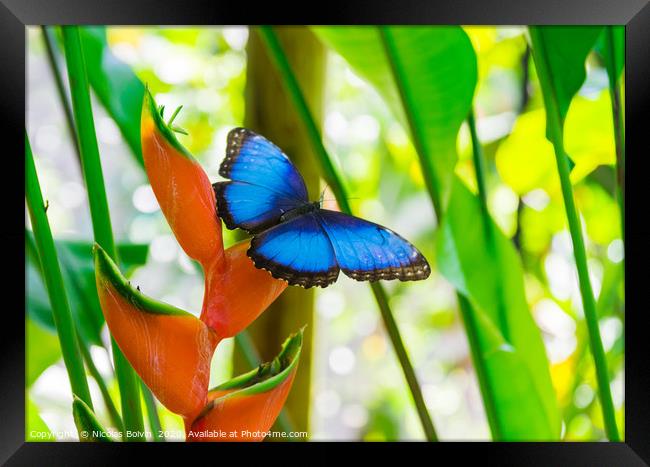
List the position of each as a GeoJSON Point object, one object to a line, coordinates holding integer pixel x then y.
{"type": "Point", "coordinates": [369, 252]}
{"type": "Point", "coordinates": [265, 183]}
{"type": "Point", "coordinates": [297, 251]}
{"type": "Point", "coordinates": [253, 208]}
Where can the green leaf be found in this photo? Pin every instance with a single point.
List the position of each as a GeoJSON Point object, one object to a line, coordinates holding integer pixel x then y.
{"type": "Point", "coordinates": [361, 47]}
{"type": "Point", "coordinates": [438, 73]}
{"type": "Point", "coordinates": [517, 371]}
{"type": "Point", "coordinates": [79, 277]}
{"type": "Point", "coordinates": [90, 430]}
{"type": "Point", "coordinates": [611, 46]}
{"type": "Point", "coordinates": [525, 160]}
{"type": "Point", "coordinates": [43, 350]}
{"type": "Point", "coordinates": [564, 49]}
{"type": "Point", "coordinates": [117, 87]}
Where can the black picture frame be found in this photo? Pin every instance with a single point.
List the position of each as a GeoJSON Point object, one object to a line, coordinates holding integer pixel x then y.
{"type": "Point", "coordinates": [635, 14]}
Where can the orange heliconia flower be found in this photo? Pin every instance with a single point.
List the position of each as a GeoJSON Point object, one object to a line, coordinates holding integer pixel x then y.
{"type": "Point", "coordinates": [235, 291]}
{"type": "Point", "coordinates": [170, 348]}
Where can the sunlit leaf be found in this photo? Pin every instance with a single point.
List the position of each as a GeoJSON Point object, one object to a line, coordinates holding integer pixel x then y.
{"type": "Point", "coordinates": [43, 350]}
{"type": "Point", "coordinates": [526, 161]}
{"type": "Point", "coordinates": [598, 208]}
{"type": "Point", "coordinates": [560, 77]}
{"type": "Point", "coordinates": [565, 50]}
{"type": "Point", "coordinates": [439, 72]}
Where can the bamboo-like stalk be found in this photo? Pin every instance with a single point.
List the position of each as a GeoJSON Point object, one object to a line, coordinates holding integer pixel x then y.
{"type": "Point", "coordinates": [464, 305]}
{"type": "Point", "coordinates": [54, 281]}
{"type": "Point", "coordinates": [579, 251]}
{"type": "Point", "coordinates": [100, 215]}
{"type": "Point", "coordinates": [335, 183]}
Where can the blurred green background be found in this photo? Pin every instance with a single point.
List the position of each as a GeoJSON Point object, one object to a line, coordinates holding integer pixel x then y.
{"type": "Point", "coordinates": [352, 387]}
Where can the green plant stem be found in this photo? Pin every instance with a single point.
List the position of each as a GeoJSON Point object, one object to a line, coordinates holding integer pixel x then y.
{"type": "Point", "coordinates": [113, 413]}
{"type": "Point", "coordinates": [50, 48]}
{"type": "Point", "coordinates": [100, 215]}
{"type": "Point", "coordinates": [54, 281]}
{"type": "Point", "coordinates": [152, 414]}
{"type": "Point", "coordinates": [85, 353]}
{"type": "Point", "coordinates": [619, 124]}
{"type": "Point", "coordinates": [335, 182]}
{"type": "Point", "coordinates": [479, 168]}
{"type": "Point", "coordinates": [579, 251]}
{"type": "Point", "coordinates": [487, 392]}
{"type": "Point", "coordinates": [60, 88]}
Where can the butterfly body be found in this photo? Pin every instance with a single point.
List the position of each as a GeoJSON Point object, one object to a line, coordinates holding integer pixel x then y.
{"type": "Point", "coordinates": [295, 239]}
{"type": "Point", "coordinates": [300, 210]}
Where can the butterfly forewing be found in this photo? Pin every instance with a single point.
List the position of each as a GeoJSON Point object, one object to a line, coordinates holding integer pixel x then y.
{"type": "Point", "coordinates": [253, 159]}
{"type": "Point", "coordinates": [265, 184]}
{"type": "Point", "coordinates": [253, 208]}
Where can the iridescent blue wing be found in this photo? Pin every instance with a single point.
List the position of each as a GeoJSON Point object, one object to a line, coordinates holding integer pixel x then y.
{"type": "Point", "coordinates": [253, 208]}
{"type": "Point", "coordinates": [369, 252]}
{"type": "Point", "coordinates": [265, 184]}
{"type": "Point", "coordinates": [297, 251]}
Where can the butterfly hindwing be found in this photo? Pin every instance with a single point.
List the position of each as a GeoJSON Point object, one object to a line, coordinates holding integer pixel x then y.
{"type": "Point", "coordinates": [369, 252]}
{"type": "Point", "coordinates": [297, 251]}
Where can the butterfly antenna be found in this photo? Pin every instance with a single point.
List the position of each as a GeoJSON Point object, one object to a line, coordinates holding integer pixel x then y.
{"type": "Point", "coordinates": [322, 195]}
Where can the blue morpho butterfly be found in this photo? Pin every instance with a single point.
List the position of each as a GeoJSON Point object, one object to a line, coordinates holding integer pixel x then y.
{"type": "Point", "coordinates": [294, 239]}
